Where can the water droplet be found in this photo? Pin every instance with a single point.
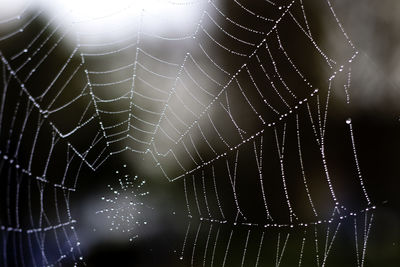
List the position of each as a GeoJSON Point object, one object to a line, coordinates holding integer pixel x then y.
{"type": "Point", "coordinates": [348, 121]}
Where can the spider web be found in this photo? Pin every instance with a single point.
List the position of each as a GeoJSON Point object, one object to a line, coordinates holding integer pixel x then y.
{"type": "Point", "coordinates": [236, 110]}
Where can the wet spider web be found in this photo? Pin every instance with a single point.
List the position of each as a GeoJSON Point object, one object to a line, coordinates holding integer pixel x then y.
{"type": "Point", "coordinates": [237, 111]}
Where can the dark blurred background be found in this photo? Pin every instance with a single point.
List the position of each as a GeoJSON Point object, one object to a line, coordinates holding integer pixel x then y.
{"type": "Point", "coordinates": [47, 180]}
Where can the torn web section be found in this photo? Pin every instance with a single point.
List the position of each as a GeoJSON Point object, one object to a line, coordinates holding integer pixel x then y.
{"type": "Point", "coordinates": [47, 69]}
{"type": "Point", "coordinates": [41, 171]}
{"type": "Point", "coordinates": [42, 149]}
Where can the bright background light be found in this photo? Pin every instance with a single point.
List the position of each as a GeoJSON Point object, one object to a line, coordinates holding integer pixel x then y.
{"type": "Point", "coordinates": [10, 9]}
{"type": "Point", "coordinates": [111, 19]}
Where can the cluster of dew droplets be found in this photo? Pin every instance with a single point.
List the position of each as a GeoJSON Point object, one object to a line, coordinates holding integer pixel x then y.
{"type": "Point", "coordinates": [125, 204]}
